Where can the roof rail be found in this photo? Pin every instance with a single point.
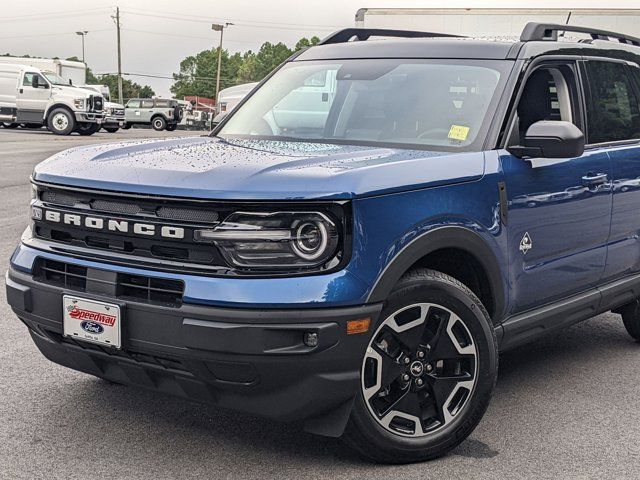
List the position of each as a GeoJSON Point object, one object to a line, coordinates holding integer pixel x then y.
{"type": "Point", "coordinates": [549, 31]}
{"type": "Point", "coordinates": [361, 34]}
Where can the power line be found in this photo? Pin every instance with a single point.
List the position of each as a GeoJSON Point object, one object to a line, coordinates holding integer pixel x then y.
{"type": "Point", "coordinates": [245, 21]}
{"type": "Point", "coordinates": [53, 34]}
{"type": "Point", "coordinates": [236, 23]}
{"type": "Point", "coordinates": [48, 16]}
{"type": "Point", "coordinates": [184, 36]}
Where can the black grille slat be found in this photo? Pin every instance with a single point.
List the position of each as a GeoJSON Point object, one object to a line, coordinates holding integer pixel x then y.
{"type": "Point", "coordinates": [115, 207]}
{"type": "Point", "coordinates": [138, 287]}
{"type": "Point", "coordinates": [188, 215]}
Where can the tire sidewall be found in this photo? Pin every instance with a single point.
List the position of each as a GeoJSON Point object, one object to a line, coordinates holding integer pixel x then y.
{"type": "Point", "coordinates": [472, 313]}
{"type": "Point", "coordinates": [71, 126]}
{"type": "Point", "coordinates": [158, 124]}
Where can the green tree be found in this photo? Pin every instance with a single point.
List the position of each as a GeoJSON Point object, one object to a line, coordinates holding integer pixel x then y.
{"type": "Point", "coordinates": [306, 42]}
{"type": "Point", "coordinates": [197, 75]}
{"type": "Point", "coordinates": [130, 89]}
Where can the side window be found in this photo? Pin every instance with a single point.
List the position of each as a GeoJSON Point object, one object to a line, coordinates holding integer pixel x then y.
{"type": "Point", "coordinates": [133, 104]}
{"type": "Point", "coordinates": [612, 110]}
{"type": "Point", "coordinates": [28, 79]}
{"type": "Point", "coordinates": [550, 93]}
{"type": "Point", "coordinates": [147, 103]}
{"type": "Point", "coordinates": [162, 103]}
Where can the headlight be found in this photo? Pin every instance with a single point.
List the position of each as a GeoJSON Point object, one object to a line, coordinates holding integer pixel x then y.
{"type": "Point", "coordinates": [275, 240]}
{"type": "Point", "coordinates": [79, 104]}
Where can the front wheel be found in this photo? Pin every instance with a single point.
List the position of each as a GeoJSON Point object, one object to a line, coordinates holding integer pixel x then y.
{"type": "Point", "coordinates": [631, 319]}
{"type": "Point", "coordinates": [86, 129]}
{"type": "Point", "coordinates": [158, 124]}
{"type": "Point", "coordinates": [428, 373]}
{"type": "Point", "coordinates": [61, 121]}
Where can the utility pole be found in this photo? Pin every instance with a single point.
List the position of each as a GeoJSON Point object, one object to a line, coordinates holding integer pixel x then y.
{"type": "Point", "coordinates": [219, 28]}
{"type": "Point", "coordinates": [120, 99]}
{"type": "Point", "coordinates": [82, 33]}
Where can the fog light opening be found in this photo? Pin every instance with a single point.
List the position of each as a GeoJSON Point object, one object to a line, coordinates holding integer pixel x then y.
{"type": "Point", "coordinates": [310, 339]}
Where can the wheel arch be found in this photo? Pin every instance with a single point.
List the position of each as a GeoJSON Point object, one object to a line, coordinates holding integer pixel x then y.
{"type": "Point", "coordinates": [447, 239]}
{"type": "Point", "coordinates": [58, 105]}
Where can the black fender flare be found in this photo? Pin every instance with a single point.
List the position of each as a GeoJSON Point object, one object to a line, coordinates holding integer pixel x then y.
{"type": "Point", "coordinates": [436, 239]}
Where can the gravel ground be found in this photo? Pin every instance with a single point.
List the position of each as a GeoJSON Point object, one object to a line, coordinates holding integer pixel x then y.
{"type": "Point", "coordinates": [564, 407]}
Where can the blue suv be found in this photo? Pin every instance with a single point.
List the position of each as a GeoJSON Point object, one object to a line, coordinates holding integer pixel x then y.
{"type": "Point", "coordinates": [355, 243]}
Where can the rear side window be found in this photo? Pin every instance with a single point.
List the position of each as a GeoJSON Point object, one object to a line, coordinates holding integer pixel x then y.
{"type": "Point", "coordinates": [612, 111]}
{"type": "Point", "coordinates": [162, 103]}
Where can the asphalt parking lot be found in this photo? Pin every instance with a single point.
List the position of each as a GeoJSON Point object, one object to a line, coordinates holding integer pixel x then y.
{"type": "Point", "coordinates": [567, 407]}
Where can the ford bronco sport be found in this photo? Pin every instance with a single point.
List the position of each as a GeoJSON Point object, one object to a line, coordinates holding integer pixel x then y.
{"type": "Point", "coordinates": [355, 243]}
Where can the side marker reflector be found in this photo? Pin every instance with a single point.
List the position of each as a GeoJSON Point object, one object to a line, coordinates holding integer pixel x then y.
{"type": "Point", "coordinates": [358, 326]}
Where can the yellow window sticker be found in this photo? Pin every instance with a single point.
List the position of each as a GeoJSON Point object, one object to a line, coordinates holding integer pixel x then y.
{"type": "Point", "coordinates": [458, 132]}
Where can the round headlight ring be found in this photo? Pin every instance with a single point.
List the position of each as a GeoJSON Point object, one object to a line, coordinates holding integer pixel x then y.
{"type": "Point", "coordinates": [318, 245]}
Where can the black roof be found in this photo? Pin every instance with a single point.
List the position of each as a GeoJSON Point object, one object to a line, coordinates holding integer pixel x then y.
{"type": "Point", "coordinates": [536, 39]}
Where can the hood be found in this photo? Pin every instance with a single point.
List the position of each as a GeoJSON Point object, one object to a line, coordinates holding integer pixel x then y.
{"type": "Point", "coordinates": [119, 106]}
{"type": "Point", "coordinates": [73, 91]}
{"type": "Point", "coordinates": [212, 168]}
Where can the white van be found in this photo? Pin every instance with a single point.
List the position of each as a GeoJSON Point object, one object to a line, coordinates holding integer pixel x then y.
{"type": "Point", "coordinates": [35, 97]}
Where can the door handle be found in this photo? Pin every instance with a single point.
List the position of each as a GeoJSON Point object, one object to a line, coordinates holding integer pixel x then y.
{"type": "Point", "coordinates": [21, 90]}
{"type": "Point", "coordinates": [594, 179]}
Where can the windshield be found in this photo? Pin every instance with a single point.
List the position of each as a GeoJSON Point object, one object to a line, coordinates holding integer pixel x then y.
{"type": "Point", "coordinates": [55, 79]}
{"type": "Point", "coordinates": [438, 104]}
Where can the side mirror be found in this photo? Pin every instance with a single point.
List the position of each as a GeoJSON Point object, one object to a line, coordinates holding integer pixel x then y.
{"type": "Point", "coordinates": [35, 82]}
{"type": "Point", "coordinates": [70, 82]}
{"type": "Point", "coordinates": [551, 139]}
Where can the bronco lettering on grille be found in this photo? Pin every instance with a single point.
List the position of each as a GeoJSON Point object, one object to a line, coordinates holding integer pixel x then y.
{"type": "Point", "coordinates": [118, 226]}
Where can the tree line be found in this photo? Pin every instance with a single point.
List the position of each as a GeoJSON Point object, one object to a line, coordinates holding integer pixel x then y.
{"type": "Point", "coordinates": [197, 74]}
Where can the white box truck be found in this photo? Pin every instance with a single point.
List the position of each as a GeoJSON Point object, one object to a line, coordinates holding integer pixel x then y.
{"type": "Point", "coordinates": [35, 97]}
{"type": "Point", "coordinates": [495, 22]}
{"type": "Point", "coordinates": [73, 72]}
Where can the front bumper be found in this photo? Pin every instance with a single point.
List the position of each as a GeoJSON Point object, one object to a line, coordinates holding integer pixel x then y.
{"type": "Point", "coordinates": [253, 361]}
{"type": "Point", "coordinates": [89, 117]}
{"type": "Point", "coordinates": [113, 121]}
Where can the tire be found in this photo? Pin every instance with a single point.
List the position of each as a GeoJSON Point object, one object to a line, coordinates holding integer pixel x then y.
{"type": "Point", "coordinates": [86, 129]}
{"type": "Point", "coordinates": [126, 126]}
{"type": "Point", "coordinates": [61, 121]}
{"type": "Point", "coordinates": [404, 367]}
{"type": "Point", "coordinates": [171, 127]}
{"type": "Point", "coordinates": [111, 129]}
{"type": "Point", "coordinates": [158, 123]}
{"type": "Point", "coordinates": [10, 125]}
{"type": "Point", "coordinates": [631, 319]}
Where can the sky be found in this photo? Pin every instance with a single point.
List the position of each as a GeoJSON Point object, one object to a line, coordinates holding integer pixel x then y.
{"type": "Point", "coordinates": [158, 34]}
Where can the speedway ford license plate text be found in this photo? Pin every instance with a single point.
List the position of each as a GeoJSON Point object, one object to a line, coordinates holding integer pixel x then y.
{"type": "Point", "coordinates": [91, 321]}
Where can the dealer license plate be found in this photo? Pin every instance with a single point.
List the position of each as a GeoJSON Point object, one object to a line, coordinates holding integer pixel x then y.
{"type": "Point", "coordinates": [91, 321]}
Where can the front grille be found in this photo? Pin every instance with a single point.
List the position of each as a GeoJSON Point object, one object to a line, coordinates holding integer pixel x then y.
{"type": "Point", "coordinates": [187, 216]}
{"type": "Point", "coordinates": [125, 286]}
{"type": "Point", "coordinates": [130, 207]}
{"type": "Point", "coordinates": [95, 103]}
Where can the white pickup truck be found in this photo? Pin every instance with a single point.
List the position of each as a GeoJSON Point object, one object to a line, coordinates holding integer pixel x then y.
{"type": "Point", "coordinates": [32, 96]}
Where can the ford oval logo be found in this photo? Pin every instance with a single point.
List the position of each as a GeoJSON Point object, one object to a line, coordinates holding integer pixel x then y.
{"type": "Point", "coordinates": [91, 327]}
